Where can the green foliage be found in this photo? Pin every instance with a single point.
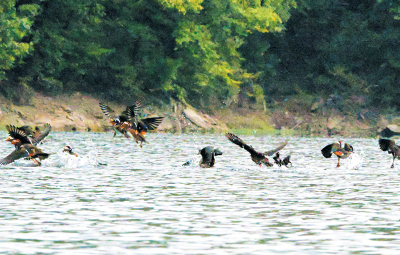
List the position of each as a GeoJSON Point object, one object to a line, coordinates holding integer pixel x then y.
{"type": "Point", "coordinates": [336, 47]}
{"type": "Point", "coordinates": [13, 28]}
{"type": "Point", "coordinates": [204, 51]}
{"type": "Point", "coordinates": [212, 66]}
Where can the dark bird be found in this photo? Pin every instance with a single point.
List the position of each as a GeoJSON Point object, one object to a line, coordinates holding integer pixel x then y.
{"type": "Point", "coordinates": [387, 132]}
{"type": "Point", "coordinates": [391, 147]}
{"type": "Point", "coordinates": [258, 157]}
{"type": "Point", "coordinates": [338, 150]}
{"type": "Point", "coordinates": [117, 120]}
{"type": "Point", "coordinates": [68, 149]}
{"type": "Point", "coordinates": [286, 161]}
{"type": "Point", "coordinates": [208, 156]}
{"type": "Point", "coordinates": [25, 147]}
{"type": "Point", "coordinates": [282, 162]}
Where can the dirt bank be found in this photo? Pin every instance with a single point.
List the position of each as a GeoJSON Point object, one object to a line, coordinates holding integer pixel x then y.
{"type": "Point", "coordinates": [80, 112]}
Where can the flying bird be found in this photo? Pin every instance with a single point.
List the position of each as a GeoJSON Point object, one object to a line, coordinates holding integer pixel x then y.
{"type": "Point", "coordinates": [138, 128]}
{"type": "Point", "coordinates": [117, 120]}
{"type": "Point", "coordinates": [338, 150]}
{"type": "Point", "coordinates": [258, 157]}
{"type": "Point", "coordinates": [390, 146]}
{"type": "Point", "coordinates": [25, 147]}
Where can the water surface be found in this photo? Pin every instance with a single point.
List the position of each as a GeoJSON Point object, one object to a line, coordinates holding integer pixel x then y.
{"type": "Point", "coordinates": [144, 201]}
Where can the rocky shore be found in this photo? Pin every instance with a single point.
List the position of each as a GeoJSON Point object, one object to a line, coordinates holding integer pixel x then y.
{"type": "Point", "coordinates": [80, 112]}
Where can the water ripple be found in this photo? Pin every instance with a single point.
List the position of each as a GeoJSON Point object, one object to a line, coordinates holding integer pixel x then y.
{"type": "Point", "coordinates": [118, 198]}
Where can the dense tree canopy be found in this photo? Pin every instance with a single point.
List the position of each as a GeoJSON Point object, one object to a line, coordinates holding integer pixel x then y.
{"type": "Point", "coordinates": [202, 51]}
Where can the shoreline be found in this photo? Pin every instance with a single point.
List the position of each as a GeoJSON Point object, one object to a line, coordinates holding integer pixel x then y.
{"type": "Point", "coordinates": [78, 112]}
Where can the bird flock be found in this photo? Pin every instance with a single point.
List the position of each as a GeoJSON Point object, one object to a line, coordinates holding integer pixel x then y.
{"type": "Point", "coordinates": [26, 140]}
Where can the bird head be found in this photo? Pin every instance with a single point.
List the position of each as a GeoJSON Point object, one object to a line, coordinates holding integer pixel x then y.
{"type": "Point", "coordinates": [67, 148]}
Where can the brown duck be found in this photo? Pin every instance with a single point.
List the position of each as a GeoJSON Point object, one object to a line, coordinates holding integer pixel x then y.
{"type": "Point", "coordinates": [25, 147]}
{"type": "Point", "coordinates": [19, 137]}
{"type": "Point", "coordinates": [390, 146]}
{"type": "Point", "coordinates": [258, 157]}
{"type": "Point", "coordinates": [338, 150]}
{"type": "Point", "coordinates": [122, 121]}
{"type": "Point", "coordinates": [139, 128]}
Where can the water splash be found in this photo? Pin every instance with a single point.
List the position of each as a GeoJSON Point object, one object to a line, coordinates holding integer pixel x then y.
{"type": "Point", "coordinates": [63, 159]}
{"type": "Point", "coordinates": [355, 160]}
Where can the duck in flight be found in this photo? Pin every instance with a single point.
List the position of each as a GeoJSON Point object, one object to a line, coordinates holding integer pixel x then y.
{"type": "Point", "coordinates": [139, 127]}
{"type": "Point", "coordinates": [258, 157]}
{"type": "Point", "coordinates": [391, 147]}
{"type": "Point", "coordinates": [337, 149]}
{"type": "Point", "coordinates": [117, 121]}
{"type": "Point", "coordinates": [25, 147]}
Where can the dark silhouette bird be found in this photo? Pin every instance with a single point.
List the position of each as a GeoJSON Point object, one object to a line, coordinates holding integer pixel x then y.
{"type": "Point", "coordinates": [338, 150]}
{"type": "Point", "coordinates": [258, 157]}
{"type": "Point", "coordinates": [282, 162]}
{"type": "Point", "coordinates": [68, 149]}
{"type": "Point", "coordinates": [387, 132]}
{"type": "Point", "coordinates": [117, 120]}
{"type": "Point", "coordinates": [391, 147]}
{"type": "Point", "coordinates": [208, 156]}
{"type": "Point", "coordinates": [286, 161]}
{"type": "Point", "coordinates": [25, 147]}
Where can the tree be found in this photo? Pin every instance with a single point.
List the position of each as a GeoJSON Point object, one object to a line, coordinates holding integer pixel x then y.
{"type": "Point", "coordinates": [13, 28]}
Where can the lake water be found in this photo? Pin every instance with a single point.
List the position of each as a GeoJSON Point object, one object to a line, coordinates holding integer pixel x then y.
{"type": "Point", "coordinates": [145, 202]}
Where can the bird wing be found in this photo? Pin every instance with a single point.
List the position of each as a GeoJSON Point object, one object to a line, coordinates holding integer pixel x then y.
{"type": "Point", "coordinates": [26, 129]}
{"type": "Point", "coordinates": [148, 124]}
{"type": "Point", "coordinates": [133, 111]}
{"type": "Point", "coordinates": [327, 150]}
{"type": "Point", "coordinates": [16, 154]}
{"type": "Point", "coordinates": [39, 136]}
{"type": "Point", "coordinates": [384, 144]}
{"type": "Point", "coordinates": [108, 111]}
{"type": "Point", "coordinates": [236, 140]}
{"type": "Point", "coordinates": [16, 133]}
{"type": "Point", "coordinates": [272, 152]}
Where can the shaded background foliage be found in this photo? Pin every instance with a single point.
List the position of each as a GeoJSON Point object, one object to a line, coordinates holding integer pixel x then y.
{"type": "Point", "coordinates": [204, 52]}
